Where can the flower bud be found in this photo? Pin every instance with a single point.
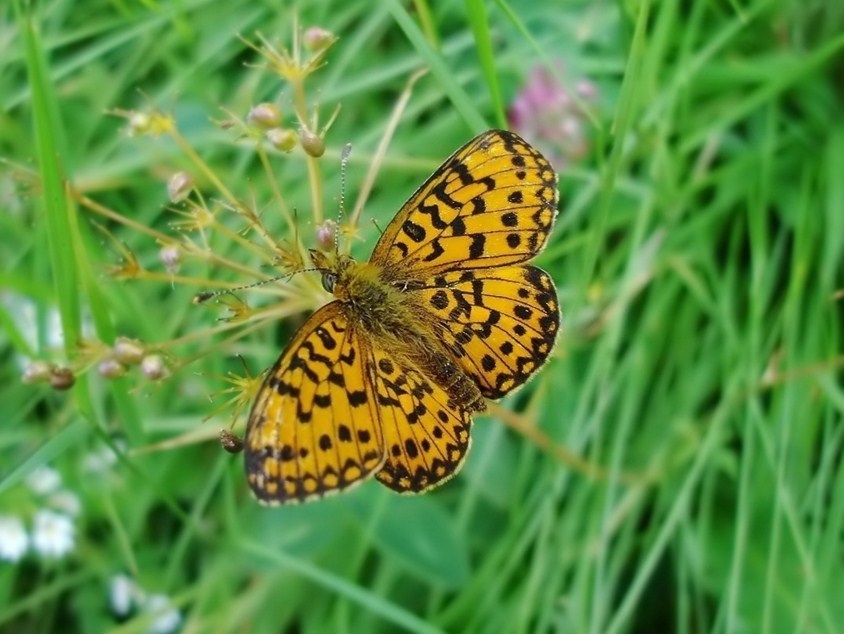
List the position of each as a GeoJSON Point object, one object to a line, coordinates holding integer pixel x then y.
{"type": "Point", "coordinates": [62, 378]}
{"type": "Point", "coordinates": [325, 235]}
{"type": "Point", "coordinates": [151, 123]}
{"type": "Point", "coordinates": [179, 187]}
{"type": "Point", "coordinates": [128, 351]}
{"type": "Point", "coordinates": [171, 257]}
{"type": "Point", "coordinates": [139, 123]}
{"type": "Point", "coordinates": [230, 442]}
{"type": "Point", "coordinates": [153, 367]}
{"type": "Point", "coordinates": [311, 143]}
{"type": "Point", "coordinates": [37, 372]}
{"type": "Point", "coordinates": [264, 116]}
{"type": "Point", "coordinates": [281, 139]}
{"type": "Point", "coordinates": [111, 368]}
{"type": "Point", "coordinates": [317, 39]}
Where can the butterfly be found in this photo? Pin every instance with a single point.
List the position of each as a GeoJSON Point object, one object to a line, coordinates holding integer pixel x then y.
{"type": "Point", "coordinates": [384, 380]}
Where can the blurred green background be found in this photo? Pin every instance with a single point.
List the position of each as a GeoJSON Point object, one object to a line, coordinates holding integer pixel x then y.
{"type": "Point", "coordinates": [677, 465]}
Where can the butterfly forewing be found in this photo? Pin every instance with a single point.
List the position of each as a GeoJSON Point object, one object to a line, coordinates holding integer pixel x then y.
{"type": "Point", "coordinates": [314, 427]}
{"type": "Point", "coordinates": [492, 203]}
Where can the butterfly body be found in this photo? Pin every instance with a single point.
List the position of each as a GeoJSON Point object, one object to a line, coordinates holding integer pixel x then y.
{"type": "Point", "coordinates": [384, 380]}
{"type": "Point", "coordinates": [383, 310]}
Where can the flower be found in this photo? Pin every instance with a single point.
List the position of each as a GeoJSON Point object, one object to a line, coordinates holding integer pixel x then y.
{"type": "Point", "coordinates": [23, 312]}
{"type": "Point", "coordinates": [168, 618]}
{"type": "Point", "coordinates": [551, 115]}
{"type": "Point", "coordinates": [65, 501]}
{"type": "Point", "coordinates": [122, 594]}
{"type": "Point", "coordinates": [125, 595]}
{"type": "Point", "coordinates": [13, 538]}
{"type": "Point", "coordinates": [171, 257]}
{"type": "Point", "coordinates": [100, 461]}
{"type": "Point", "coordinates": [179, 187]}
{"type": "Point", "coordinates": [52, 534]}
{"type": "Point", "coordinates": [44, 480]}
{"type": "Point", "coordinates": [326, 234]}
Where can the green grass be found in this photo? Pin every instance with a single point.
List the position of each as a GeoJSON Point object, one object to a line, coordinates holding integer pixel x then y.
{"type": "Point", "coordinates": [688, 475]}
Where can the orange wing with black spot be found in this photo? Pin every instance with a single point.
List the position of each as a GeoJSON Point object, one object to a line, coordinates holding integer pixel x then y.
{"type": "Point", "coordinates": [426, 434]}
{"type": "Point", "coordinates": [492, 203]}
{"type": "Point", "coordinates": [314, 427]}
{"type": "Point", "coordinates": [499, 324]}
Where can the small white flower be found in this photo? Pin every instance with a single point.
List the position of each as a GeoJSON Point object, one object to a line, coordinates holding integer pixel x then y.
{"type": "Point", "coordinates": [67, 502]}
{"type": "Point", "coordinates": [52, 535]}
{"type": "Point", "coordinates": [122, 594]}
{"type": "Point", "coordinates": [13, 538]}
{"type": "Point", "coordinates": [100, 461]}
{"type": "Point", "coordinates": [168, 618]}
{"type": "Point", "coordinates": [44, 480]}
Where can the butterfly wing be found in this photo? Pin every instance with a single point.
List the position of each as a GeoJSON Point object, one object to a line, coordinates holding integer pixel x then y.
{"type": "Point", "coordinates": [500, 324]}
{"type": "Point", "coordinates": [314, 427]}
{"type": "Point", "coordinates": [426, 434]}
{"type": "Point", "coordinates": [492, 203]}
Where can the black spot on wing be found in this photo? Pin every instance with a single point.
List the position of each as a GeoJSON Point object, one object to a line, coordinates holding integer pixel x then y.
{"type": "Point", "coordinates": [476, 249]}
{"type": "Point", "coordinates": [413, 231]}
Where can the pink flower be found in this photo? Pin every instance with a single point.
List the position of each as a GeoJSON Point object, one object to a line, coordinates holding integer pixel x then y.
{"type": "Point", "coordinates": [551, 115]}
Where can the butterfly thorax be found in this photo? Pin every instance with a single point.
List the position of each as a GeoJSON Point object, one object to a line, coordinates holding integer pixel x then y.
{"type": "Point", "coordinates": [393, 320]}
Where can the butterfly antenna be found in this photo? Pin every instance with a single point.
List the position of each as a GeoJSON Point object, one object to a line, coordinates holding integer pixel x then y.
{"type": "Point", "coordinates": [204, 296]}
{"type": "Point", "coordinates": [344, 162]}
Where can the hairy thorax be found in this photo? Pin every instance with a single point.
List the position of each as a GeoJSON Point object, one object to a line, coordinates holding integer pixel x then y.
{"type": "Point", "coordinates": [393, 320]}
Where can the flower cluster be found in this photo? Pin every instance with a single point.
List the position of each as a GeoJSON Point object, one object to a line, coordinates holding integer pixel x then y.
{"type": "Point", "coordinates": [126, 598]}
{"type": "Point", "coordinates": [273, 129]}
{"type": "Point", "coordinates": [111, 362]}
{"type": "Point", "coordinates": [53, 532]}
{"type": "Point", "coordinates": [552, 115]}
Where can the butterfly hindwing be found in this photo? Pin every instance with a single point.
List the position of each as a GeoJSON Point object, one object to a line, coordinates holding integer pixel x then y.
{"type": "Point", "coordinates": [426, 434]}
{"type": "Point", "coordinates": [500, 324]}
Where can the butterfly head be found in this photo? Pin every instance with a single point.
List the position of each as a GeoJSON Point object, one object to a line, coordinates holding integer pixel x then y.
{"type": "Point", "coordinates": [336, 271]}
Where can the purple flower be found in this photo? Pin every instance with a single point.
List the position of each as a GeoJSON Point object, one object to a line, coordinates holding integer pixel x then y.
{"type": "Point", "coordinates": [551, 115]}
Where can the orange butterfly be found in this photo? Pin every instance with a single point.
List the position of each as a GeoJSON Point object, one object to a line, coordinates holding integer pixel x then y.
{"type": "Point", "coordinates": [384, 380]}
